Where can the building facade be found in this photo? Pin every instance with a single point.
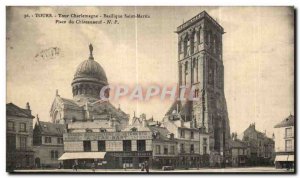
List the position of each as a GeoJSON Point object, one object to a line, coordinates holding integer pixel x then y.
{"type": "Point", "coordinates": [238, 151]}
{"type": "Point", "coordinates": [19, 153]}
{"type": "Point", "coordinates": [96, 131]}
{"type": "Point", "coordinates": [200, 65]}
{"type": "Point", "coordinates": [47, 144]}
{"type": "Point", "coordinates": [192, 142]}
{"type": "Point", "coordinates": [284, 143]}
{"type": "Point", "coordinates": [261, 147]}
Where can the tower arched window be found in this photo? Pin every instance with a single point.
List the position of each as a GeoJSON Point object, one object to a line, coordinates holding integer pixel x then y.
{"type": "Point", "coordinates": [195, 42]}
{"type": "Point", "coordinates": [181, 46]}
{"type": "Point", "coordinates": [199, 35]}
{"type": "Point", "coordinates": [186, 45]}
{"type": "Point", "coordinates": [215, 44]}
{"type": "Point", "coordinates": [209, 39]}
{"type": "Point", "coordinates": [186, 66]}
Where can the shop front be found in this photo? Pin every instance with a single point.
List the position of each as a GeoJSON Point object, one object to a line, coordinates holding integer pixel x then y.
{"type": "Point", "coordinates": [128, 160]}
{"type": "Point", "coordinates": [83, 160]}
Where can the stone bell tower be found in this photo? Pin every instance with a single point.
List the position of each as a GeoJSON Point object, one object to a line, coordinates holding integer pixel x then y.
{"type": "Point", "coordinates": [200, 64]}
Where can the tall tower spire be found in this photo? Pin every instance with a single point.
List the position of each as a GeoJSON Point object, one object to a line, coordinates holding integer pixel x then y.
{"type": "Point", "coordinates": [91, 51]}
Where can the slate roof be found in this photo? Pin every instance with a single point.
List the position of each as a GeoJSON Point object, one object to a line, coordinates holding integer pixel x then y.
{"type": "Point", "coordinates": [69, 102]}
{"type": "Point", "coordinates": [163, 132]}
{"type": "Point", "coordinates": [109, 108]}
{"type": "Point", "coordinates": [237, 144]}
{"type": "Point", "coordinates": [289, 121]}
{"type": "Point", "coordinates": [49, 128]}
{"type": "Point", "coordinates": [14, 110]}
{"type": "Point", "coordinates": [139, 128]}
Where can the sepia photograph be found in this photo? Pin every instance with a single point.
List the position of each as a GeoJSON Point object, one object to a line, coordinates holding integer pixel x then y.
{"type": "Point", "coordinates": [150, 89]}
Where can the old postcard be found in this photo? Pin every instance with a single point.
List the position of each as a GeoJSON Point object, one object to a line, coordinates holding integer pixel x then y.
{"type": "Point", "coordinates": [150, 89]}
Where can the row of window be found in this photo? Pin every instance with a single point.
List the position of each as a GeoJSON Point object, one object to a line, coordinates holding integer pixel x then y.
{"type": "Point", "coordinates": [11, 126]}
{"type": "Point", "coordinates": [192, 148]}
{"type": "Point", "coordinates": [289, 132]}
{"type": "Point", "coordinates": [165, 150]}
{"type": "Point", "coordinates": [188, 46]}
{"type": "Point", "coordinates": [49, 140]}
{"type": "Point", "coordinates": [11, 142]}
{"type": "Point", "coordinates": [127, 145]}
{"type": "Point", "coordinates": [214, 72]}
{"type": "Point", "coordinates": [54, 154]}
{"type": "Point", "coordinates": [289, 145]}
{"type": "Point", "coordinates": [183, 132]}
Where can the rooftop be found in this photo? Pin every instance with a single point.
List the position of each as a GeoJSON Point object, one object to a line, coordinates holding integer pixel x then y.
{"type": "Point", "coordinates": [195, 19]}
{"type": "Point", "coordinates": [49, 128]}
{"type": "Point", "coordinates": [14, 110]}
{"type": "Point", "coordinates": [289, 121]}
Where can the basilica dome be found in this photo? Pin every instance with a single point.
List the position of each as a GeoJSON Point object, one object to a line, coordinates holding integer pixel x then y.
{"type": "Point", "coordinates": [89, 78]}
{"type": "Point", "coordinates": [90, 70]}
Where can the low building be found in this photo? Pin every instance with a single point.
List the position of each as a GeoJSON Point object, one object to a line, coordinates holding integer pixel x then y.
{"type": "Point", "coordinates": [89, 142]}
{"type": "Point", "coordinates": [164, 145]}
{"type": "Point", "coordinates": [47, 143]}
{"type": "Point", "coordinates": [284, 143]}
{"type": "Point", "coordinates": [192, 142]}
{"type": "Point", "coordinates": [261, 147]}
{"type": "Point", "coordinates": [238, 152]}
{"type": "Point", "coordinates": [19, 153]}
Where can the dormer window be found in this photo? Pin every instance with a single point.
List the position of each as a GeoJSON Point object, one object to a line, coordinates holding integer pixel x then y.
{"type": "Point", "coordinates": [155, 135]}
{"type": "Point", "coordinates": [134, 129]}
{"type": "Point", "coordinates": [88, 130]}
{"type": "Point", "coordinates": [102, 130]}
{"type": "Point", "coordinates": [170, 136]}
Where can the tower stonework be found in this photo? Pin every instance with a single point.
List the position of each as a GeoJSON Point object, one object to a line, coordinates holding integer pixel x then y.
{"type": "Point", "coordinates": [200, 64]}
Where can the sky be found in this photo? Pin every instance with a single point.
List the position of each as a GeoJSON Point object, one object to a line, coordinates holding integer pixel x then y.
{"type": "Point", "coordinates": [258, 56]}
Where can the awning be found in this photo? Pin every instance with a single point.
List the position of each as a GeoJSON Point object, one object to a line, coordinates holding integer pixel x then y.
{"type": "Point", "coordinates": [83, 155]}
{"type": "Point", "coordinates": [284, 158]}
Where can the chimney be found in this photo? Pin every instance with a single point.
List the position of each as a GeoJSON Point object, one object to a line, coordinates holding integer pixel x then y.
{"type": "Point", "coordinates": [28, 107]}
{"type": "Point", "coordinates": [145, 124]}
{"type": "Point", "coordinates": [273, 136]}
{"type": "Point", "coordinates": [181, 123]}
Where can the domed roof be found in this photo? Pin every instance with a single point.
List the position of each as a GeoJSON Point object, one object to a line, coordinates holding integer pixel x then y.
{"type": "Point", "coordinates": [90, 70]}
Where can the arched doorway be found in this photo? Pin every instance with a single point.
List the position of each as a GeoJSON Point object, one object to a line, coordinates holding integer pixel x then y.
{"type": "Point", "coordinates": [37, 162]}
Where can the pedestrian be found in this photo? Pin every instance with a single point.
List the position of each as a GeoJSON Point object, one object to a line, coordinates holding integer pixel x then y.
{"type": "Point", "coordinates": [75, 165]}
{"type": "Point", "coordinates": [143, 167]}
{"type": "Point", "coordinates": [147, 166]}
{"type": "Point", "coordinates": [93, 166]}
{"type": "Point", "coordinates": [84, 165]}
{"type": "Point", "coordinates": [59, 165]}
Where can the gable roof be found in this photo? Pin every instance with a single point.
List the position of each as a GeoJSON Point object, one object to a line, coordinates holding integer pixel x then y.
{"type": "Point", "coordinates": [237, 144]}
{"type": "Point", "coordinates": [163, 132]}
{"type": "Point", "coordinates": [49, 128]}
{"type": "Point", "coordinates": [14, 110]}
{"type": "Point", "coordinates": [289, 121]}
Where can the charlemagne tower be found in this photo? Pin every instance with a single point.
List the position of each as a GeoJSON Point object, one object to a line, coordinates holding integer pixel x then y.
{"type": "Point", "coordinates": [200, 65]}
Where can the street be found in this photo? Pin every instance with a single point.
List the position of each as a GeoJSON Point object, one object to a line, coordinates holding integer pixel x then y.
{"type": "Point", "coordinates": [201, 170]}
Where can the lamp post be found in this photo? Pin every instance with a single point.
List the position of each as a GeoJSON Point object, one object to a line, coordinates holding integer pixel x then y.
{"type": "Point", "coordinates": [199, 147]}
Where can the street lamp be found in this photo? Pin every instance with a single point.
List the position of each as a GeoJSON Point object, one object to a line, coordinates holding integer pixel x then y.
{"type": "Point", "coordinates": [199, 148]}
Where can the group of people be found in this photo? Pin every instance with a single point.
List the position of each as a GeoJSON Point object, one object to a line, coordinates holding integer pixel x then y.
{"type": "Point", "coordinates": [145, 166]}
{"type": "Point", "coordinates": [75, 166]}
